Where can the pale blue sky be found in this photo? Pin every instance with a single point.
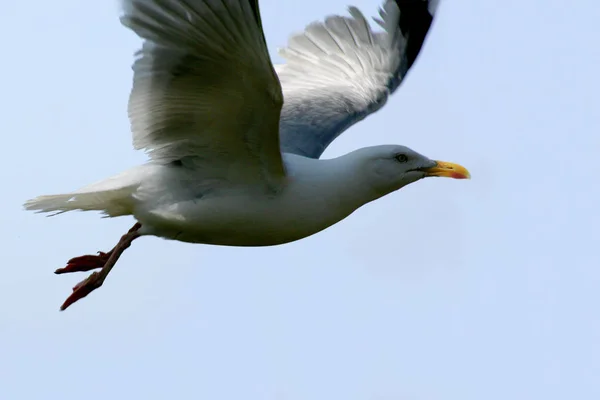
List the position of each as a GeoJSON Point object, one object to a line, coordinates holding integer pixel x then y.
{"type": "Point", "coordinates": [446, 290]}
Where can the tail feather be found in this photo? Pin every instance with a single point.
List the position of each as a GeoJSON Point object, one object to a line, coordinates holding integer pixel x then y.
{"type": "Point", "coordinates": [112, 203]}
{"type": "Point", "coordinates": [112, 196]}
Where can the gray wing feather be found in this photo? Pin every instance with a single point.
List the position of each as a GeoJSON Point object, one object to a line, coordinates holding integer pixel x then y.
{"type": "Point", "coordinates": [339, 71]}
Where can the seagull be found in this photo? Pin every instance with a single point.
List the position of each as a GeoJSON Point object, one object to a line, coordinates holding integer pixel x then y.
{"type": "Point", "coordinates": [234, 142]}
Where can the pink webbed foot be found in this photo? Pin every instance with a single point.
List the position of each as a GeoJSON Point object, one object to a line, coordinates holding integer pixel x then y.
{"type": "Point", "coordinates": [82, 289]}
{"type": "Point", "coordinates": [85, 263]}
{"type": "Point", "coordinates": [104, 261]}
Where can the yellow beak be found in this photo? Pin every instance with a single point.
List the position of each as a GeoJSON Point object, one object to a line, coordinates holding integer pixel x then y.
{"type": "Point", "coordinates": [448, 170]}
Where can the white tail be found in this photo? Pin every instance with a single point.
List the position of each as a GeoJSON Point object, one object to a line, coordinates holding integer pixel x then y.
{"type": "Point", "coordinates": [112, 196]}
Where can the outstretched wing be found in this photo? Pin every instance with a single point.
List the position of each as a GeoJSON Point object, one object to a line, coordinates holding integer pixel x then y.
{"type": "Point", "coordinates": [204, 88]}
{"type": "Point", "coordinates": [339, 71]}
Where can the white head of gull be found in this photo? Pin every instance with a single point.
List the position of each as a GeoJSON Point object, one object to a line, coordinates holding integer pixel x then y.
{"type": "Point", "coordinates": [235, 143]}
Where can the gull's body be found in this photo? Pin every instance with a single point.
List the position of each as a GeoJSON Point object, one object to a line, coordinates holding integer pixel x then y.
{"type": "Point", "coordinates": [231, 162]}
{"type": "Point", "coordinates": [312, 199]}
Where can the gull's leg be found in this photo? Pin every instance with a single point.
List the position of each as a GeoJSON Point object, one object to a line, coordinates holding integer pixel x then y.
{"type": "Point", "coordinates": [95, 280]}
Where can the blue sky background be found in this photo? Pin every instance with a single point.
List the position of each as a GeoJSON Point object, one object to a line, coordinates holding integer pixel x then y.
{"type": "Point", "coordinates": [466, 290]}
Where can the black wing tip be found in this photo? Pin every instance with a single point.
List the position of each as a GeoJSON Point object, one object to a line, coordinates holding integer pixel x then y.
{"type": "Point", "coordinates": [416, 17]}
{"type": "Point", "coordinates": [255, 10]}
{"type": "Point", "coordinates": [422, 6]}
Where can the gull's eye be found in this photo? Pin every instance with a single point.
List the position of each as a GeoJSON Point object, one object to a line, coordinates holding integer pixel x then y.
{"type": "Point", "coordinates": [402, 158]}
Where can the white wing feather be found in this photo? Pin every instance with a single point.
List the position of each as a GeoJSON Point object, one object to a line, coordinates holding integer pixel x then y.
{"type": "Point", "coordinates": [339, 71]}
{"type": "Point", "coordinates": [204, 87]}
{"type": "Point", "coordinates": [340, 53]}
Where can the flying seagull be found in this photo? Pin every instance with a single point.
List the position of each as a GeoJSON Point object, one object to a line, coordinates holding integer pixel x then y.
{"type": "Point", "coordinates": [235, 142]}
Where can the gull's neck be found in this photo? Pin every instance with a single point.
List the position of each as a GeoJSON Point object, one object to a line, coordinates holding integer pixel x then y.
{"type": "Point", "coordinates": [338, 186]}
